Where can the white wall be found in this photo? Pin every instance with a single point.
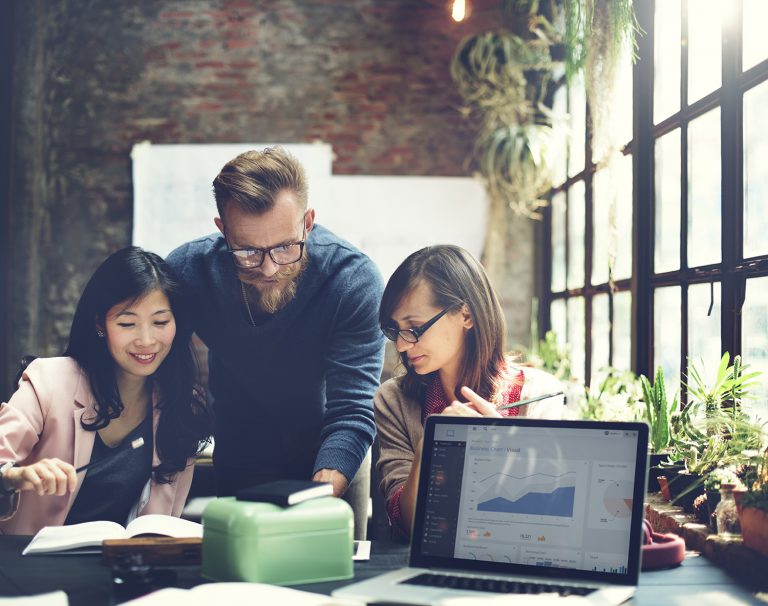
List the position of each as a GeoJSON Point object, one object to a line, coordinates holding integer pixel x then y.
{"type": "Point", "coordinates": [387, 217]}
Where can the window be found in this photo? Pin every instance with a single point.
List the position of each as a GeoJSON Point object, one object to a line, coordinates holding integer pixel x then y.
{"type": "Point", "coordinates": [664, 258]}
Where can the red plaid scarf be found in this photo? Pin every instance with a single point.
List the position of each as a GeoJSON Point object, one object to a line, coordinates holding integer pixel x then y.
{"type": "Point", "coordinates": [435, 401]}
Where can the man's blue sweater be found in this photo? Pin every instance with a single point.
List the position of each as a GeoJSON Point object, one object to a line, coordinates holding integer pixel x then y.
{"type": "Point", "coordinates": [292, 395]}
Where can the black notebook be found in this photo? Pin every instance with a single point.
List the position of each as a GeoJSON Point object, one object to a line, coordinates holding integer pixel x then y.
{"type": "Point", "coordinates": [286, 492]}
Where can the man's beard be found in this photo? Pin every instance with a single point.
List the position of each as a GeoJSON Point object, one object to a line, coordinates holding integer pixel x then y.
{"type": "Point", "coordinates": [271, 299]}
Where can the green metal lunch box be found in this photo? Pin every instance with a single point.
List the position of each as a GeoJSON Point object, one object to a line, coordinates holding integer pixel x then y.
{"type": "Point", "coordinates": [264, 543]}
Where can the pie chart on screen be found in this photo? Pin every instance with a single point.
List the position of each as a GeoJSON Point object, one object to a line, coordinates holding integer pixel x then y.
{"type": "Point", "coordinates": [618, 499]}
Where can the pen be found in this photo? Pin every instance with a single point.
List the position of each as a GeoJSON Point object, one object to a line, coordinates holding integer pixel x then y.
{"type": "Point", "coordinates": [137, 443]}
{"type": "Point", "coordinates": [528, 401]}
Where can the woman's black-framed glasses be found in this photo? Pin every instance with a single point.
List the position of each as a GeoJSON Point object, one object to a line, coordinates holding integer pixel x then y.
{"type": "Point", "coordinates": [282, 254]}
{"type": "Point", "coordinates": [411, 335]}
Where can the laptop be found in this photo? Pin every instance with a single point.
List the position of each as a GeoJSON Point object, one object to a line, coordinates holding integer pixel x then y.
{"type": "Point", "coordinates": [522, 506]}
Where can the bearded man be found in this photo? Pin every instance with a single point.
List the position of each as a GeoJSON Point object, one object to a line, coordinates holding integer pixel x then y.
{"type": "Point", "coordinates": [289, 312]}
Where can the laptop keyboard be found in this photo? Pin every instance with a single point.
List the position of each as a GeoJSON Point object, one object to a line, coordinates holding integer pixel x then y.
{"type": "Point", "coordinates": [491, 585]}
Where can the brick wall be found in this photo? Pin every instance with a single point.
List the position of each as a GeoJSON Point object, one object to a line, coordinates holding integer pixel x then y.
{"type": "Point", "coordinates": [93, 77]}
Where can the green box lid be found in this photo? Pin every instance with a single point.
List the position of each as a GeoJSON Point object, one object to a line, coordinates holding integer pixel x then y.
{"type": "Point", "coordinates": [250, 518]}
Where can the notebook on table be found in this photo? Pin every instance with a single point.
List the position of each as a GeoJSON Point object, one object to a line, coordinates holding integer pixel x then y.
{"type": "Point", "coordinates": [522, 506]}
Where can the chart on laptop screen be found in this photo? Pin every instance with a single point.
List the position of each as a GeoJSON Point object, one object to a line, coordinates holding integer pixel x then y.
{"type": "Point", "coordinates": [555, 497]}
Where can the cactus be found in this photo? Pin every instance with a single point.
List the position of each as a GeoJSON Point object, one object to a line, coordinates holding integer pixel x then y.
{"type": "Point", "coordinates": [657, 410]}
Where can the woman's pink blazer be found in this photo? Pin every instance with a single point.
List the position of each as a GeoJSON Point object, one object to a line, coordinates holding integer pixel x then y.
{"type": "Point", "coordinates": [42, 420]}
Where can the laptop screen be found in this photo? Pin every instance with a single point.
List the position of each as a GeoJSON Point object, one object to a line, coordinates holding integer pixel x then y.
{"type": "Point", "coordinates": [550, 498]}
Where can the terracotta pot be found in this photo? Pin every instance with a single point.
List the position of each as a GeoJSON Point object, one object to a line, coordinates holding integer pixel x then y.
{"type": "Point", "coordinates": [738, 494]}
{"type": "Point", "coordinates": [664, 488]}
{"type": "Point", "coordinates": [754, 529]}
{"type": "Point", "coordinates": [655, 470]}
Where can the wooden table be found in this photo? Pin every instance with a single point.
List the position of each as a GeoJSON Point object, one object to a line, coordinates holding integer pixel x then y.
{"type": "Point", "coordinates": [87, 582]}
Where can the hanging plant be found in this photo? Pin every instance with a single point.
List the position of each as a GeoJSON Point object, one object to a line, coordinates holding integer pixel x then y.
{"type": "Point", "coordinates": [502, 78]}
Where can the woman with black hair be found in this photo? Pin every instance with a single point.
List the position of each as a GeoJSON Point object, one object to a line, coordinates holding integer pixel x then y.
{"type": "Point", "coordinates": [127, 373]}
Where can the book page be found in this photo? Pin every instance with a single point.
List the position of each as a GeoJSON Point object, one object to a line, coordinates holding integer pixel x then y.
{"type": "Point", "coordinates": [239, 593]}
{"type": "Point", "coordinates": [59, 538]}
{"type": "Point", "coordinates": [168, 526]}
{"type": "Point", "coordinates": [53, 598]}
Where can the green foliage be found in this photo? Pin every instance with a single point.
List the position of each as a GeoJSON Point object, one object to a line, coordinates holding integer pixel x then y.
{"type": "Point", "coordinates": [728, 390]}
{"type": "Point", "coordinates": [503, 80]}
{"type": "Point", "coordinates": [617, 398]}
{"type": "Point", "coordinates": [548, 355]}
{"type": "Point", "coordinates": [712, 430]}
{"type": "Point", "coordinates": [597, 26]}
{"type": "Point", "coordinates": [658, 410]}
{"type": "Point", "coordinates": [755, 476]}
{"type": "Point", "coordinates": [720, 475]}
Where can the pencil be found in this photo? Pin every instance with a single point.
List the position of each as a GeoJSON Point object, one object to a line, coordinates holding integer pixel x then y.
{"type": "Point", "coordinates": [528, 401]}
{"type": "Point", "coordinates": [137, 443]}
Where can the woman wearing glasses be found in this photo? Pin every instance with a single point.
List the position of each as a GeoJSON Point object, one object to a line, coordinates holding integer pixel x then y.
{"type": "Point", "coordinates": [448, 326]}
{"type": "Point", "coordinates": [128, 375]}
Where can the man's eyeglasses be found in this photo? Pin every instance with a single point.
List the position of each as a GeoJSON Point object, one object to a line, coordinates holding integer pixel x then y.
{"type": "Point", "coordinates": [282, 254]}
{"type": "Point", "coordinates": [411, 335]}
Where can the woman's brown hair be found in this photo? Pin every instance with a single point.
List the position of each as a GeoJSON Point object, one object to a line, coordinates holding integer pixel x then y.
{"type": "Point", "coordinates": [455, 278]}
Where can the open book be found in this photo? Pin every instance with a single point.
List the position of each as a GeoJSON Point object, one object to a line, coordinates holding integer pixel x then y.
{"type": "Point", "coordinates": [87, 537]}
{"type": "Point", "coordinates": [239, 593]}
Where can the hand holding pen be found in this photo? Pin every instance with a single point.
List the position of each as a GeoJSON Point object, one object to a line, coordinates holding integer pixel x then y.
{"type": "Point", "coordinates": [52, 476]}
{"type": "Point", "coordinates": [477, 406]}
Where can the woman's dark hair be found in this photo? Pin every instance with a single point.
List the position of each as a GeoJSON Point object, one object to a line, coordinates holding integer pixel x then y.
{"type": "Point", "coordinates": [185, 424]}
{"type": "Point", "coordinates": [456, 279]}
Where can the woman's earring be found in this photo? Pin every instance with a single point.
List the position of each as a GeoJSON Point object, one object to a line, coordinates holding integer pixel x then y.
{"type": "Point", "coordinates": [100, 333]}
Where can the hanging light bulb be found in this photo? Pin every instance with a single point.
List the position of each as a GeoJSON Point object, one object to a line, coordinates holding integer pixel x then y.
{"type": "Point", "coordinates": [458, 11]}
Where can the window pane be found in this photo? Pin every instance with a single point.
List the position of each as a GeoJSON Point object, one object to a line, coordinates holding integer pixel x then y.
{"type": "Point", "coordinates": [558, 242]}
{"type": "Point", "coordinates": [666, 334]}
{"type": "Point", "coordinates": [704, 345]}
{"type": "Point", "coordinates": [559, 142]}
{"type": "Point", "coordinates": [704, 212]}
{"type": "Point", "coordinates": [755, 13]}
{"type": "Point", "coordinates": [600, 337]}
{"type": "Point", "coordinates": [576, 336]}
{"type": "Point", "coordinates": [754, 340]}
{"type": "Point", "coordinates": [576, 235]}
{"type": "Point", "coordinates": [612, 220]}
{"type": "Point", "coordinates": [667, 213]}
{"type": "Point", "coordinates": [558, 322]}
{"type": "Point", "coordinates": [622, 330]}
{"type": "Point", "coordinates": [621, 112]}
{"type": "Point", "coordinates": [622, 174]}
{"type": "Point", "coordinates": [704, 46]}
{"type": "Point", "coordinates": [577, 108]}
{"type": "Point", "coordinates": [756, 170]}
{"type": "Point", "coordinates": [602, 234]}
{"type": "Point", "coordinates": [617, 120]}
{"type": "Point", "coordinates": [666, 59]}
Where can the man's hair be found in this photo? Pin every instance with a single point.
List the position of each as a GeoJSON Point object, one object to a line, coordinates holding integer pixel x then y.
{"type": "Point", "coordinates": [456, 279]}
{"type": "Point", "coordinates": [254, 178]}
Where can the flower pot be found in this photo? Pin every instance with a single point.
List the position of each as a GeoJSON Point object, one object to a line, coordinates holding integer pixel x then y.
{"type": "Point", "coordinates": [655, 470]}
{"type": "Point", "coordinates": [754, 529]}
{"type": "Point", "coordinates": [664, 487]}
{"type": "Point", "coordinates": [684, 488]}
{"type": "Point", "coordinates": [738, 494]}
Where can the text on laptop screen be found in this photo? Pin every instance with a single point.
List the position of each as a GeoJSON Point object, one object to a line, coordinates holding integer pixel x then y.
{"type": "Point", "coordinates": [537, 496]}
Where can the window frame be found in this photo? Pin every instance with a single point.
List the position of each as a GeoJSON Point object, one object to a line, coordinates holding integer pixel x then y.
{"type": "Point", "coordinates": [733, 270]}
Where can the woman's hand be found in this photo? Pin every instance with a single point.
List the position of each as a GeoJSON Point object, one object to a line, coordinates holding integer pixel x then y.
{"type": "Point", "coordinates": [474, 407]}
{"type": "Point", "coordinates": [46, 476]}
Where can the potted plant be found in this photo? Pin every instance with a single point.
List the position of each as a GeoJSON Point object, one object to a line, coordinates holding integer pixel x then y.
{"type": "Point", "coordinates": [753, 513]}
{"type": "Point", "coordinates": [713, 430]}
{"type": "Point", "coordinates": [658, 412]}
